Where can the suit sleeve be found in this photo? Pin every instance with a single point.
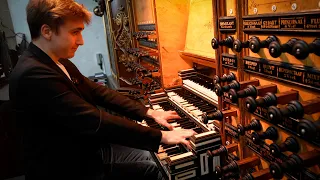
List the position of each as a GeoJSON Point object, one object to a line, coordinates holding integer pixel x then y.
{"type": "Point", "coordinates": [80, 117]}
{"type": "Point", "coordinates": [115, 101]}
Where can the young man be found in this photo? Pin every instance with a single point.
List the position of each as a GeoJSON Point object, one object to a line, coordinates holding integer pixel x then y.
{"type": "Point", "coordinates": [64, 131]}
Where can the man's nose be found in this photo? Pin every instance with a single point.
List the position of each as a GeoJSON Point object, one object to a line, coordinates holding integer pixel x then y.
{"type": "Point", "coordinates": [80, 40]}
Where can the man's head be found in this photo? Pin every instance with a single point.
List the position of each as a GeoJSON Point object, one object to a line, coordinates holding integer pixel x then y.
{"type": "Point", "coordinates": [57, 25]}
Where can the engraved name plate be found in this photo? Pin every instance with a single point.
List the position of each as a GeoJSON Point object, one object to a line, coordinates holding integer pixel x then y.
{"type": "Point", "coordinates": [227, 24]}
{"type": "Point", "coordinates": [283, 22]}
{"type": "Point", "coordinates": [306, 76]}
{"type": "Point", "coordinates": [229, 60]}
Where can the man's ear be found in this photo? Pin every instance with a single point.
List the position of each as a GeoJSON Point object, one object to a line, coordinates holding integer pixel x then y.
{"type": "Point", "coordinates": [46, 32]}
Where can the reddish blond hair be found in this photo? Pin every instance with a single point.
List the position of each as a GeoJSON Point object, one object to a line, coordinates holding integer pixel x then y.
{"type": "Point", "coordinates": [53, 13]}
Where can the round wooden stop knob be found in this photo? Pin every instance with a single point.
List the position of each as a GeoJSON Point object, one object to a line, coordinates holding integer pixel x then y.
{"type": "Point", "coordinates": [238, 45]}
{"type": "Point", "coordinates": [308, 129]}
{"type": "Point", "coordinates": [293, 109]}
{"type": "Point", "coordinates": [255, 44]}
{"type": "Point", "coordinates": [267, 100]}
{"type": "Point", "coordinates": [233, 85]}
{"type": "Point", "coordinates": [249, 91]}
{"type": "Point", "coordinates": [221, 151]}
{"type": "Point", "coordinates": [300, 50]}
{"type": "Point", "coordinates": [217, 115]}
{"type": "Point", "coordinates": [254, 125]}
{"type": "Point", "coordinates": [271, 133]}
{"type": "Point", "coordinates": [275, 49]}
{"type": "Point", "coordinates": [214, 43]}
{"type": "Point", "coordinates": [225, 78]}
{"type": "Point", "coordinates": [290, 144]}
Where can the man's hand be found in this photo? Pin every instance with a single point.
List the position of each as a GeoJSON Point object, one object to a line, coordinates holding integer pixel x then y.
{"type": "Point", "coordinates": [162, 117]}
{"type": "Point", "coordinates": [177, 136]}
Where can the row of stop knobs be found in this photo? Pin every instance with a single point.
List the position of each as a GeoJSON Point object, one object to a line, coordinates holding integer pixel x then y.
{"type": "Point", "coordinates": [266, 96]}
{"type": "Point", "coordinates": [296, 47]}
{"type": "Point", "coordinates": [292, 164]}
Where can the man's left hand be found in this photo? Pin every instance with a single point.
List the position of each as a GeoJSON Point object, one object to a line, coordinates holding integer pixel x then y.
{"type": "Point", "coordinates": [162, 117]}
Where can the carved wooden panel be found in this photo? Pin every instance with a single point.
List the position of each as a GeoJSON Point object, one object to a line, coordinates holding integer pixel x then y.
{"type": "Point", "coordinates": [119, 16]}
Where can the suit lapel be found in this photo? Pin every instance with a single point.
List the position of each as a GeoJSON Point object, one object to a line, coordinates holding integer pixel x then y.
{"type": "Point", "coordinates": [44, 58]}
{"type": "Point", "coordinates": [78, 80]}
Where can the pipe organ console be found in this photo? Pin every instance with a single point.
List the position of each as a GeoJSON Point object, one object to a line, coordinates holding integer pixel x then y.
{"type": "Point", "coordinates": [243, 74]}
{"type": "Point", "coordinates": [192, 110]}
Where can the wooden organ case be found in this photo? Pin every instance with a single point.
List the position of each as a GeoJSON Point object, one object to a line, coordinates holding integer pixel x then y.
{"type": "Point", "coordinates": [244, 74]}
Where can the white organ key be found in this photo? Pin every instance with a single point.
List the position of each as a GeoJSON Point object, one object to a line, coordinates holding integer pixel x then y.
{"type": "Point", "coordinates": [156, 106]}
{"type": "Point", "coordinates": [191, 108]}
{"type": "Point", "coordinates": [184, 103]}
{"type": "Point", "coordinates": [178, 99]}
{"type": "Point", "coordinates": [197, 113]}
{"type": "Point", "coordinates": [201, 89]}
{"type": "Point", "coordinates": [181, 156]}
{"type": "Point", "coordinates": [186, 106]}
{"type": "Point", "coordinates": [171, 94]}
{"type": "Point", "coordinates": [175, 124]}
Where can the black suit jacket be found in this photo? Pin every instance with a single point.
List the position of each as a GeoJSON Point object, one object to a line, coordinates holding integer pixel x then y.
{"type": "Point", "coordinates": [63, 128]}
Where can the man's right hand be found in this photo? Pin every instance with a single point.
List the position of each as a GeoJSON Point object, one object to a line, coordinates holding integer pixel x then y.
{"type": "Point", "coordinates": [177, 136]}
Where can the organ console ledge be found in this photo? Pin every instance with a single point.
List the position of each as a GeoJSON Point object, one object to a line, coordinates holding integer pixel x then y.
{"type": "Point", "coordinates": [195, 58]}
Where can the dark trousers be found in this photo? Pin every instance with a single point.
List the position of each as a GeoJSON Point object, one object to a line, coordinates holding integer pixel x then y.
{"type": "Point", "coordinates": [128, 163]}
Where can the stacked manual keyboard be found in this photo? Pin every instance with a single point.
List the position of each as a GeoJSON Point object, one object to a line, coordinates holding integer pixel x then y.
{"type": "Point", "coordinates": [199, 85]}
{"type": "Point", "coordinates": [177, 161]}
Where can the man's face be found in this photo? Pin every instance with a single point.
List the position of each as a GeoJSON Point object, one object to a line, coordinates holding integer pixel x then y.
{"type": "Point", "coordinates": [65, 43]}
